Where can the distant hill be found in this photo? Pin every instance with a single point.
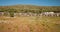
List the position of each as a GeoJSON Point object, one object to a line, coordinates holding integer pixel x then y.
{"type": "Point", "coordinates": [30, 8]}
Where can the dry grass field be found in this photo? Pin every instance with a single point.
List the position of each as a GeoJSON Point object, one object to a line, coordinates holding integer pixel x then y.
{"type": "Point", "coordinates": [30, 24]}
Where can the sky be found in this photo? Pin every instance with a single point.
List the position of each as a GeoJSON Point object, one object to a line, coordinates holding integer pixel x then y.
{"type": "Point", "coordinates": [30, 2]}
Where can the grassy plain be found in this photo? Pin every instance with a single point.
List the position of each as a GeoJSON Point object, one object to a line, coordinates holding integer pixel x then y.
{"type": "Point", "coordinates": [30, 24]}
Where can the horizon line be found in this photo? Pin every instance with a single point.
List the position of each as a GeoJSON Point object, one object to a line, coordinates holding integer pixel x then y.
{"type": "Point", "coordinates": [29, 4]}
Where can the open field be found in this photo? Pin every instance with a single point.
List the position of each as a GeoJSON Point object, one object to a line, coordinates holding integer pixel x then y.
{"type": "Point", "coordinates": [30, 24]}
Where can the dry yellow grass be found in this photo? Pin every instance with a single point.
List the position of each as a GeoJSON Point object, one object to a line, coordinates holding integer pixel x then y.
{"type": "Point", "coordinates": [30, 24]}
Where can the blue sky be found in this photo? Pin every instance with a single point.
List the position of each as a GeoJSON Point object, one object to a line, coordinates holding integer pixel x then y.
{"type": "Point", "coordinates": [32, 2]}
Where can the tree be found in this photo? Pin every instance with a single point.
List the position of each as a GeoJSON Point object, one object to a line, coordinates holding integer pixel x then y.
{"type": "Point", "coordinates": [11, 11]}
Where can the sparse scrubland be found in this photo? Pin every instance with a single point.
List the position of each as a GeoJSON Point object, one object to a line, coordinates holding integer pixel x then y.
{"type": "Point", "coordinates": [29, 8]}
{"type": "Point", "coordinates": [30, 24]}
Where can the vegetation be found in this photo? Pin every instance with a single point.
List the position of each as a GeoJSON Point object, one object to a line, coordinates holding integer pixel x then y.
{"type": "Point", "coordinates": [30, 8]}
{"type": "Point", "coordinates": [31, 24]}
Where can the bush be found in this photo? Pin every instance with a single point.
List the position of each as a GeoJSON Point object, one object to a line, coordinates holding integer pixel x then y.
{"type": "Point", "coordinates": [11, 14]}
